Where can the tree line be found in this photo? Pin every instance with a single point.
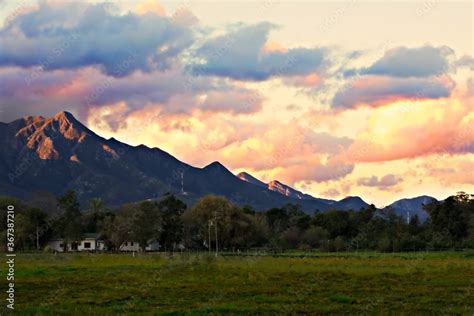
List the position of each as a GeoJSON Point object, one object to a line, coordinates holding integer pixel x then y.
{"type": "Point", "coordinates": [213, 222]}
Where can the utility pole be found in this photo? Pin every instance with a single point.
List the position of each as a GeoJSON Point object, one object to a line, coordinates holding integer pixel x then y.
{"type": "Point", "coordinates": [215, 232]}
{"type": "Point", "coordinates": [37, 238]}
{"type": "Point", "coordinates": [182, 182]}
{"type": "Point", "coordinates": [209, 224]}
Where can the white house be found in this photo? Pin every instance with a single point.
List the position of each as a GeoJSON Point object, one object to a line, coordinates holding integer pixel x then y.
{"type": "Point", "coordinates": [90, 242]}
{"type": "Point", "coordinates": [93, 242]}
{"type": "Point", "coordinates": [152, 245]}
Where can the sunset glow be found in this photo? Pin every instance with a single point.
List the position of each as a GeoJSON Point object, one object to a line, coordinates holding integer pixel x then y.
{"type": "Point", "coordinates": [327, 110]}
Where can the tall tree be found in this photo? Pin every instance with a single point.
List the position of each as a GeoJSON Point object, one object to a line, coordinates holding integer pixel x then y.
{"type": "Point", "coordinates": [118, 227]}
{"type": "Point", "coordinates": [448, 217]}
{"type": "Point", "coordinates": [30, 227]}
{"type": "Point", "coordinates": [218, 222]}
{"type": "Point", "coordinates": [94, 217]}
{"type": "Point", "coordinates": [172, 227]}
{"type": "Point", "coordinates": [96, 205]}
{"type": "Point", "coordinates": [70, 224]}
{"type": "Point", "coordinates": [146, 223]}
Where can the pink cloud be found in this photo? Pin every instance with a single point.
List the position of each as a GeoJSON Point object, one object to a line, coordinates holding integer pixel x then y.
{"type": "Point", "coordinates": [384, 182]}
{"type": "Point", "coordinates": [425, 128]}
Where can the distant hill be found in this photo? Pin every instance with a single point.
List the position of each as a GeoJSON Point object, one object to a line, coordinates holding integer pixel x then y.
{"type": "Point", "coordinates": [412, 207]}
{"type": "Point", "coordinates": [350, 202]}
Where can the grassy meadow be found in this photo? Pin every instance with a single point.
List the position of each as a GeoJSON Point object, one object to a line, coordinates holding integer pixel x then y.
{"type": "Point", "coordinates": [312, 283]}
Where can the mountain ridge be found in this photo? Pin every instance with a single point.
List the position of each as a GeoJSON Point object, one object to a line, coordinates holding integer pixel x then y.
{"type": "Point", "coordinates": [61, 153]}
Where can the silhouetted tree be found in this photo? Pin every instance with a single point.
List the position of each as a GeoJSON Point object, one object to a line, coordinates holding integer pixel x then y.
{"type": "Point", "coordinates": [70, 222]}
{"type": "Point", "coordinates": [172, 227]}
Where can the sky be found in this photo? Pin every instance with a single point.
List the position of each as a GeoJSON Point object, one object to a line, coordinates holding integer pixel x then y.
{"type": "Point", "coordinates": [333, 98]}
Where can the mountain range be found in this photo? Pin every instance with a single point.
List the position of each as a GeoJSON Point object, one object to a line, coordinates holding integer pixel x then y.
{"type": "Point", "coordinates": [58, 153]}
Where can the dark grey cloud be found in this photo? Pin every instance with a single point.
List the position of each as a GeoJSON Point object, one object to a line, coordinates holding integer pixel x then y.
{"type": "Point", "coordinates": [74, 35]}
{"type": "Point", "coordinates": [239, 54]}
{"type": "Point", "coordinates": [375, 90]}
{"type": "Point", "coordinates": [77, 91]}
{"type": "Point", "coordinates": [422, 61]}
{"type": "Point", "coordinates": [465, 61]}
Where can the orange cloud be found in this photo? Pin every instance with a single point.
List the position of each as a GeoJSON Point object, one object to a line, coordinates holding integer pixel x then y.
{"type": "Point", "coordinates": [150, 6]}
{"type": "Point", "coordinates": [403, 130]}
{"type": "Point", "coordinates": [271, 46]}
{"type": "Point", "coordinates": [289, 153]}
{"type": "Point", "coordinates": [459, 170]}
{"type": "Point", "coordinates": [310, 80]}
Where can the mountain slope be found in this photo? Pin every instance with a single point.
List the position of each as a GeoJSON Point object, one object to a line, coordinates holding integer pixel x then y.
{"type": "Point", "coordinates": [59, 153]}
{"type": "Point", "coordinates": [412, 207]}
{"type": "Point", "coordinates": [249, 178]}
{"type": "Point", "coordinates": [281, 188]}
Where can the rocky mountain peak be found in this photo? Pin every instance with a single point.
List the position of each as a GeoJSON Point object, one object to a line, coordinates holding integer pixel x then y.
{"type": "Point", "coordinates": [45, 135]}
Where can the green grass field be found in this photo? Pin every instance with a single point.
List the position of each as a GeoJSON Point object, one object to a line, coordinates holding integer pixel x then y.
{"type": "Point", "coordinates": [345, 283]}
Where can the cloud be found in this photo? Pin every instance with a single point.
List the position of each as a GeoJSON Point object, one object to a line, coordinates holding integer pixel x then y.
{"type": "Point", "coordinates": [244, 54]}
{"type": "Point", "coordinates": [326, 143]}
{"type": "Point", "coordinates": [422, 61]}
{"type": "Point", "coordinates": [470, 87]}
{"type": "Point", "coordinates": [73, 35]}
{"type": "Point", "coordinates": [458, 171]}
{"type": "Point", "coordinates": [81, 90]}
{"type": "Point", "coordinates": [425, 127]}
{"type": "Point", "coordinates": [313, 168]}
{"type": "Point", "coordinates": [379, 90]}
{"type": "Point", "coordinates": [148, 6]}
{"type": "Point", "coordinates": [290, 153]}
{"type": "Point", "coordinates": [233, 100]}
{"type": "Point", "coordinates": [330, 193]}
{"type": "Point", "coordinates": [465, 61]}
{"type": "Point", "coordinates": [402, 73]}
{"type": "Point", "coordinates": [306, 81]}
{"type": "Point", "coordinates": [388, 180]}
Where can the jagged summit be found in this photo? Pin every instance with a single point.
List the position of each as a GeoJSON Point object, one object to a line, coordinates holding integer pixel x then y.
{"type": "Point", "coordinates": [64, 115]}
{"type": "Point", "coordinates": [33, 119]}
{"type": "Point", "coordinates": [276, 186]}
{"type": "Point", "coordinates": [53, 137]}
{"type": "Point", "coordinates": [63, 122]}
{"type": "Point", "coordinates": [249, 178]}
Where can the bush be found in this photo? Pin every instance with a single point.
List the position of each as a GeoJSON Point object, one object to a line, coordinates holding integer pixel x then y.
{"type": "Point", "coordinates": [304, 247]}
{"type": "Point", "coordinates": [339, 244]}
{"type": "Point", "coordinates": [48, 249]}
{"type": "Point", "coordinates": [384, 245]}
